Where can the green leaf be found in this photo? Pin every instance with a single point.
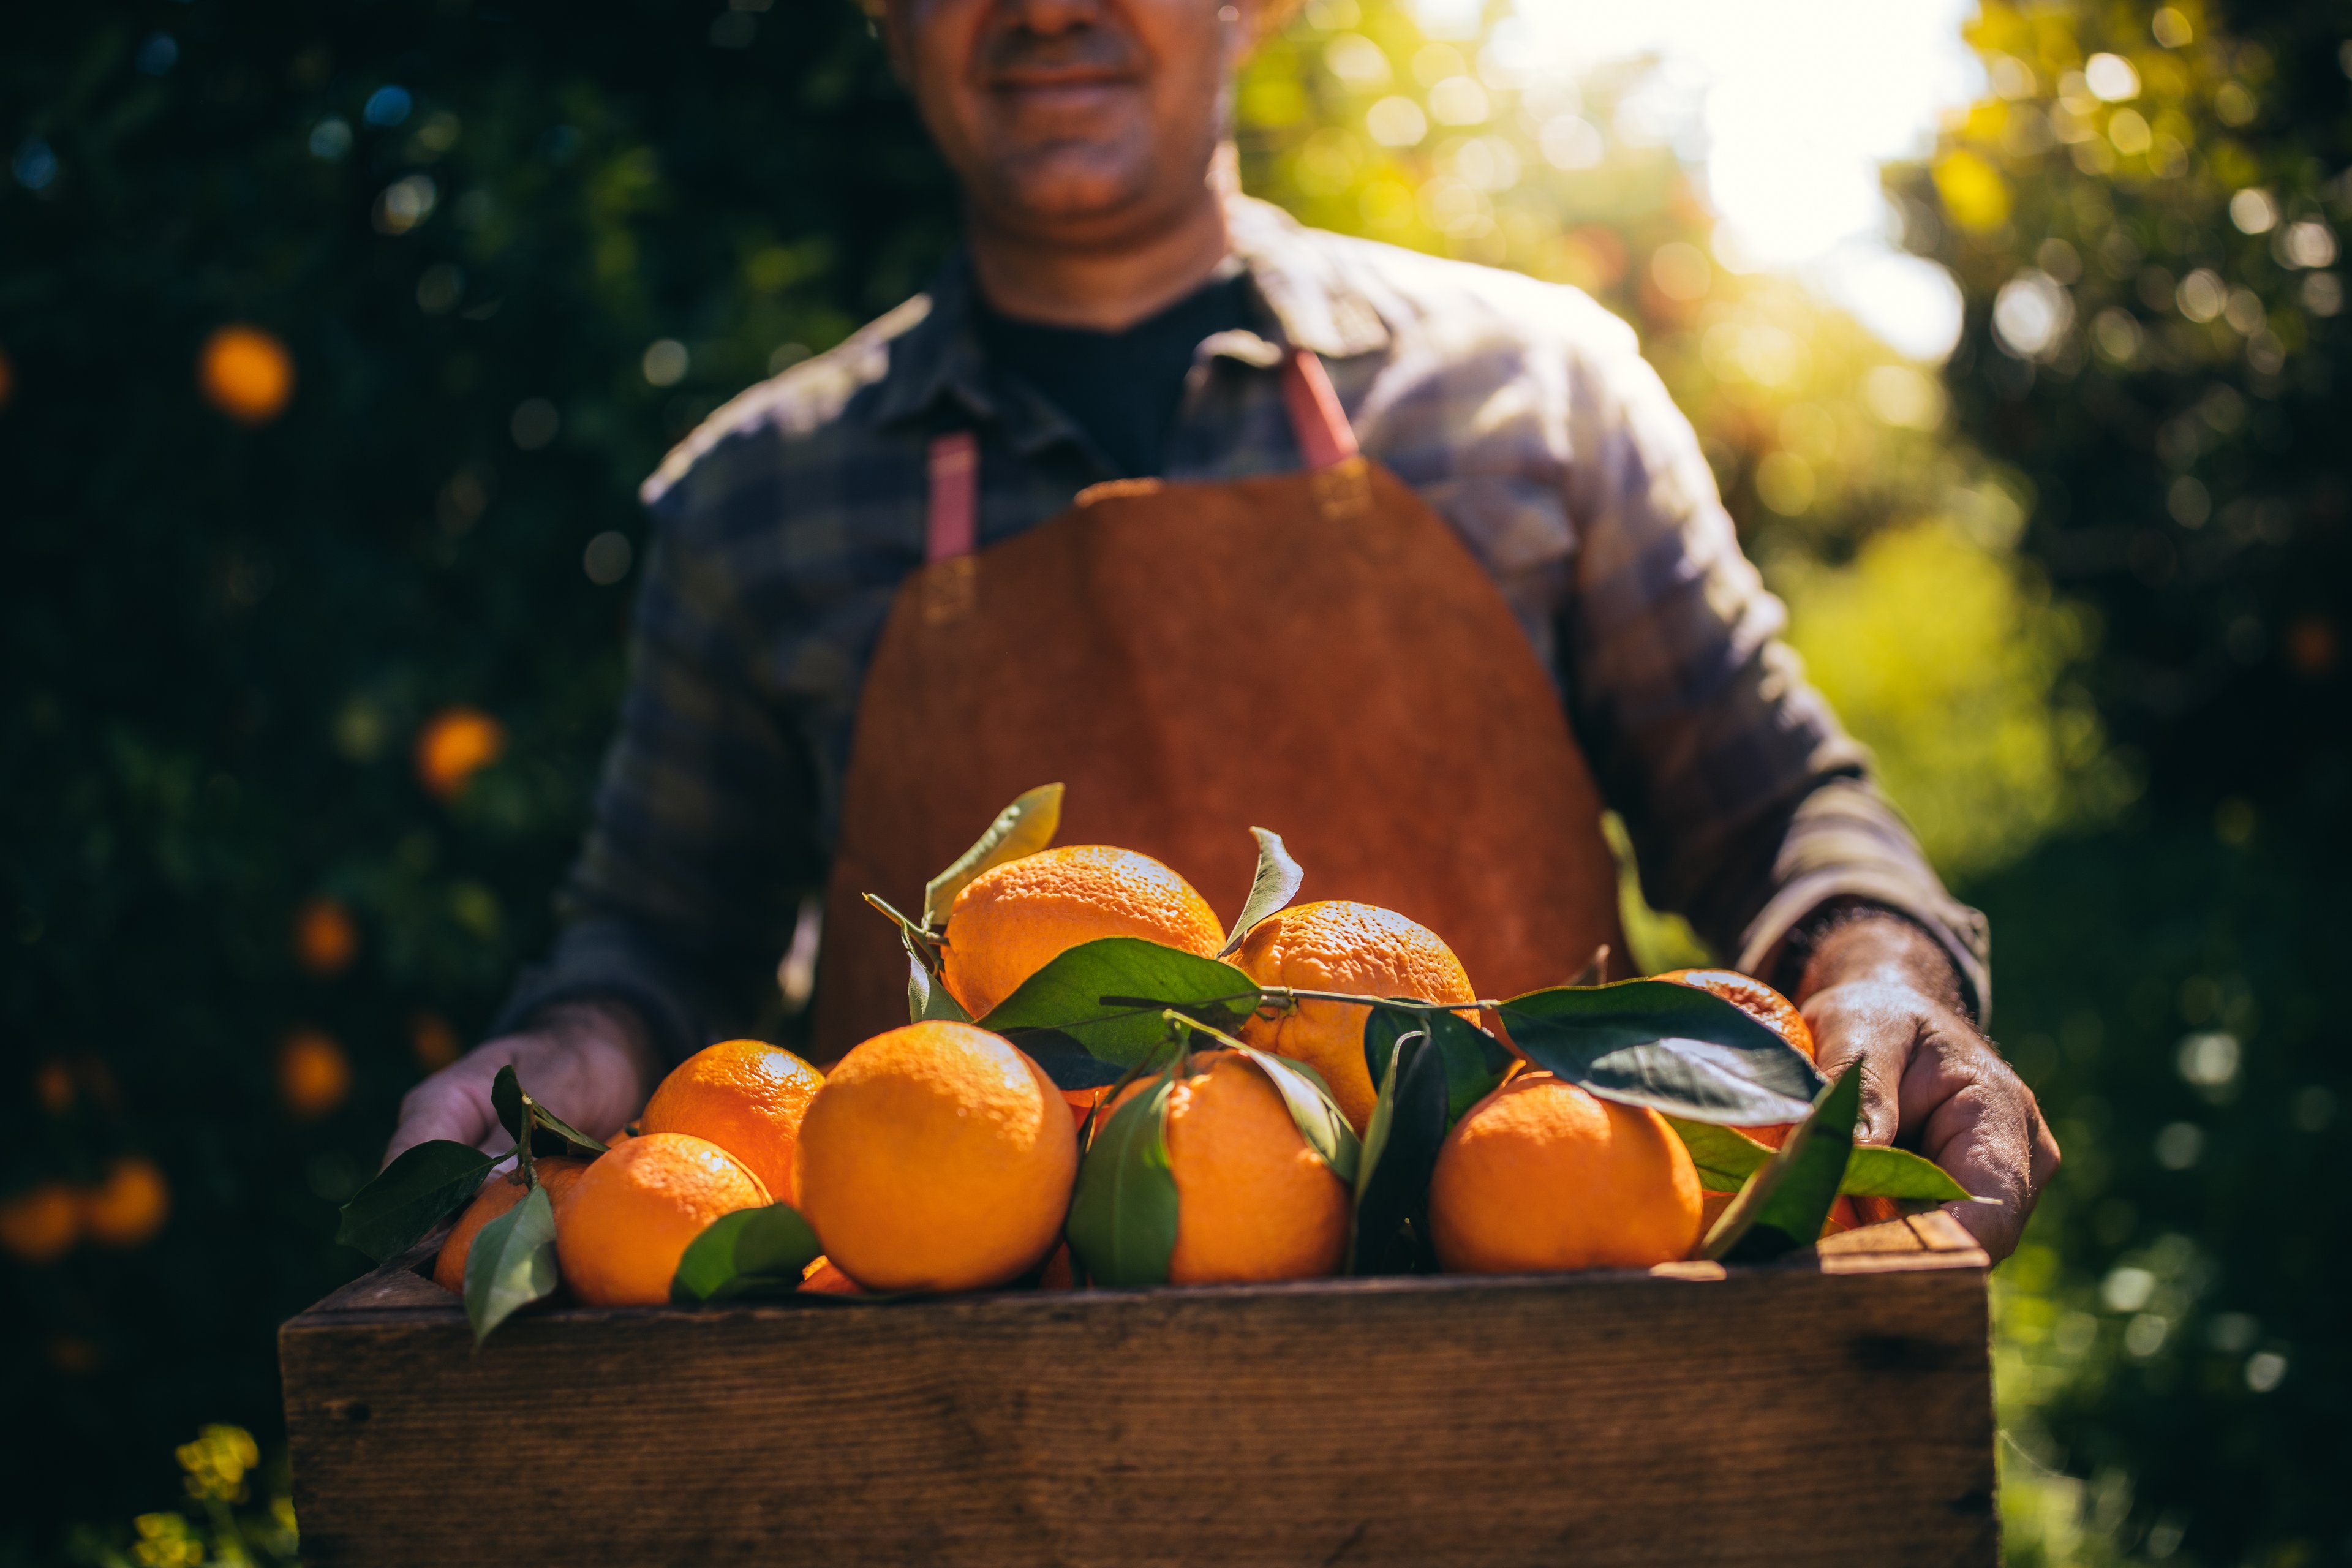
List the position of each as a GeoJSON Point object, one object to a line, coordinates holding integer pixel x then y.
{"type": "Point", "coordinates": [928, 997]}
{"type": "Point", "coordinates": [1122, 1225]}
{"type": "Point", "coordinates": [1872, 1172]}
{"type": "Point", "coordinates": [1726, 1158]}
{"type": "Point", "coordinates": [1782, 1206]}
{"type": "Point", "coordinates": [1275, 884]}
{"type": "Point", "coordinates": [1067, 995]}
{"type": "Point", "coordinates": [1408, 1126]}
{"type": "Point", "coordinates": [1317, 1115]}
{"type": "Point", "coordinates": [550, 1133]}
{"type": "Point", "coordinates": [512, 1264]}
{"type": "Point", "coordinates": [1026, 826]}
{"type": "Point", "coordinates": [411, 1195]}
{"type": "Point", "coordinates": [751, 1252]}
{"type": "Point", "coordinates": [1474, 1059]}
{"type": "Point", "coordinates": [1676, 1048]}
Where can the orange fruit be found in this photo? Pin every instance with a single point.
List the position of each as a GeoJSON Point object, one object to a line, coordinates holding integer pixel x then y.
{"type": "Point", "coordinates": [746, 1096]}
{"type": "Point", "coordinates": [1343, 947]}
{"type": "Point", "coordinates": [632, 1213]}
{"type": "Point", "coordinates": [314, 1076]}
{"type": "Point", "coordinates": [1779, 1014]}
{"type": "Point", "coordinates": [41, 1223]}
{"type": "Point", "coordinates": [1253, 1200]}
{"type": "Point", "coordinates": [499, 1193]}
{"type": "Point", "coordinates": [1540, 1176]}
{"type": "Point", "coordinates": [245, 373]}
{"type": "Point", "coordinates": [937, 1157]}
{"type": "Point", "coordinates": [1014, 919]}
{"type": "Point", "coordinates": [130, 1207]}
{"type": "Point", "coordinates": [457, 743]}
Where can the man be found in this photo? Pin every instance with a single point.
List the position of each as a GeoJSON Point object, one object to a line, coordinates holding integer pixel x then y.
{"type": "Point", "coordinates": [1412, 560]}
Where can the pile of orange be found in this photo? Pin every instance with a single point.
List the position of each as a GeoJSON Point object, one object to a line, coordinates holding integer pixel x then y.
{"type": "Point", "coordinates": [940, 1157]}
{"type": "Point", "coordinates": [718, 1135]}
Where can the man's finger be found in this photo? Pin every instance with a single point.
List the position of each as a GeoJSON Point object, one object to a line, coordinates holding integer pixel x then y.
{"type": "Point", "coordinates": [447, 1105]}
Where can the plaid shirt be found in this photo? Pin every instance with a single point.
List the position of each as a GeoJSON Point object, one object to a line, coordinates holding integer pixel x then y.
{"type": "Point", "coordinates": [1521, 411]}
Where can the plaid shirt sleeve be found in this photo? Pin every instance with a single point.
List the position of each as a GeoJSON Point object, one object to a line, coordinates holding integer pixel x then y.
{"type": "Point", "coordinates": [1748, 805]}
{"type": "Point", "coordinates": [702, 843]}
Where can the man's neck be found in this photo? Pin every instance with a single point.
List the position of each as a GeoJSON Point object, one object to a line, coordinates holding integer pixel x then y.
{"type": "Point", "coordinates": [1106, 288]}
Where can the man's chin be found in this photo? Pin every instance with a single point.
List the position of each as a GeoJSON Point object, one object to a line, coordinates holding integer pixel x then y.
{"type": "Point", "coordinates": [1071, 188]}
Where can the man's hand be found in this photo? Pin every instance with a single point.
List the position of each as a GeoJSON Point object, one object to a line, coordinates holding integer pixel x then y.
{"type": "Point", "coordinates": [592, 1063]}
{"type": "Point", "coordinates": [1878, 990]}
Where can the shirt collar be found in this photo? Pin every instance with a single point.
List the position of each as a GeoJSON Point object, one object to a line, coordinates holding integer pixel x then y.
{"type": "Point", "coordinates": [1312, 304]}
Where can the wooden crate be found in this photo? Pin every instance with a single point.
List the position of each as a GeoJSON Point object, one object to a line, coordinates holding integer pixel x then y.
{"type": "Point", "coordinates": [1833, 1408]}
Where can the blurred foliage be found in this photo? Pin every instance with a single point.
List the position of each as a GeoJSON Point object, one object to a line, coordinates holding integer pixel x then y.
{"type": "Point", "coordinates": [333, 343]}
{"type": "Point", "coordinates": [309, 681]}
{"type": "Point", "coordinates": [2142, 216]}
{"type": "Point", "coordinates": [231, 1525]}
{"type": "Point", "coordinates": [1890, 541]}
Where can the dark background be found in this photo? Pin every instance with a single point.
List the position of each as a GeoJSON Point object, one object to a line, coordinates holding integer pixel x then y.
{"type": "Point", "coordinates": [226, 641]}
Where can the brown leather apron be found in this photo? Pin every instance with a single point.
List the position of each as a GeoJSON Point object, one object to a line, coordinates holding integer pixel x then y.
{"type": "Point", "coordinates": [1315, 652]}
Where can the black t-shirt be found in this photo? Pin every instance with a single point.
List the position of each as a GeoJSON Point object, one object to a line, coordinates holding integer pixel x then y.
{"type": "Point", "coordinates": [1121, 388]}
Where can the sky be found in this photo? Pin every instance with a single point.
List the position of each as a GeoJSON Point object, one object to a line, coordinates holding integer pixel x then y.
{"type": "Point", "coordinates": [1799, 101]}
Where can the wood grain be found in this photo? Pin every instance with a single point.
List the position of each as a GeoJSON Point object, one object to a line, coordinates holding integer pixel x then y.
{"type": "Point", "coordinates": [1795, 1414]}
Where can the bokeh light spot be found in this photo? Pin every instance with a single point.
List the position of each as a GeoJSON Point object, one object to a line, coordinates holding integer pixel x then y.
{"type": "Point", "coordinates": [457, 743]}
{"type": "Point", "coordinates": [246, 373]}
{"type": "Point", "coordinates": [314, 1076]}
{"type": "Point", "coordinates": [326, 938]}
{"type": "Point", "coordinates": [607, 558]}
{"type": "Point", "coordinates": [130, 1207]}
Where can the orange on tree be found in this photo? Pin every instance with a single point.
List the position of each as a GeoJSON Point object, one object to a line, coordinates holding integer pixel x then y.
{"type": "Point", "coordinates": [1013, 920]}
{"type": "Point", "coordinates": [1253, 1200]}
{"type": "Point", "coordinates": [41, 1223]}
{"type": "Point", "coordinates": [1541, 1175]}
{"type": "Point", "coordinates": [130, 1207]}
{"type": "Point", "coordinates": [1336, 946]}
{"type": "Point", "coordinates": [632, 1213]}
{"type": "Point", "coordinates": [499, 1193]}
{"type": "Point", "coordinates": [1778, 1014]}
{"type": "Point", "coordinates": [937, 1157]}
{"type": "Point", "coordinates": [746, 1096]}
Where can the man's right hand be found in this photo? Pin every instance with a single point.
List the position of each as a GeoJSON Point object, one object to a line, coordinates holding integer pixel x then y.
{"type": "Point", "coordinates": [590, 1063]}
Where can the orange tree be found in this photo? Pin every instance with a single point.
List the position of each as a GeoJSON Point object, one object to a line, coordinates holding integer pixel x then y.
{"type": "Point", "coordinates": [2143, 215]}
{"type": "Point", "coordinates": [332, 345]}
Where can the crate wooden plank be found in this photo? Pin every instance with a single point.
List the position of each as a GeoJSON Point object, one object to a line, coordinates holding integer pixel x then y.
{"type": "Point", "coordinates": [1797, 1414]}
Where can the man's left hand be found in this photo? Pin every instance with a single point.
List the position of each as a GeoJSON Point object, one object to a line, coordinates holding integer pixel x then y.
{"type": "Point", "coordinates": [1879, 991]}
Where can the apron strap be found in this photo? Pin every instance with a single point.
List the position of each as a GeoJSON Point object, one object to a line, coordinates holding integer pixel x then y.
{"type": "Point", "coordinates": [1325, 439]}
{"type": "Point", "coordinates": [952, 523]}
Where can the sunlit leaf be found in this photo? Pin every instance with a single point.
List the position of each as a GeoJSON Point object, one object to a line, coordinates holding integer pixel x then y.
{"type": "Point", "coordinates": [1317, 1115]}
{"type": "Point", "coordinates": [1026, 826]}
{"type": "Point", "coordinates": [1676, 1049]}
{"type": "Point", "coordinates": [1275, 884]}
{"type": "Point", "coordinates": [1726, 1158]}
{"type": "Point", "coordinates": [511, 1265]}
{"type": "Point", "coordinates": [1782, 1206]}
{"type": "Point", "coordinates": [1872, 1172]}
{"type": "Point", "coordinates": [751, 1252]}
{"type": "Point", "coordinates": [1122, 1224]}
{"type": "Point", "coordinates": [928, 997]}
{"type": "Point", "coordinates": [411, 1195]}
{"type": "Point", "coordinates": [1144, 976]}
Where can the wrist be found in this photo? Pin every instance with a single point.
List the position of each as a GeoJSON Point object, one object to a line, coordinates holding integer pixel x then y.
{"type": "Point", "coordinates": [601, 1026]}
{"type": "Point", "coordinates": [1851, 942]}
